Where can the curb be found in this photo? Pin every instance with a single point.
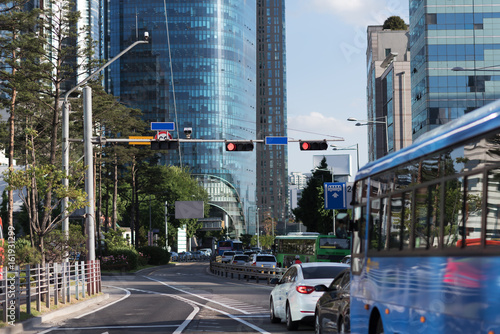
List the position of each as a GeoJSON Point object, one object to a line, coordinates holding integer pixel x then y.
{"type": "Point", "coordinates": [31, 323]}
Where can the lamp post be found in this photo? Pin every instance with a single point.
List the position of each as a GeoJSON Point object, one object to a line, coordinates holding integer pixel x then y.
{"type": "Point", "coordinates": [65, 148]}
{"type": "Point", "coordinates": [370, 122]}
{"type": "Point", "coordinates": [348, 148]}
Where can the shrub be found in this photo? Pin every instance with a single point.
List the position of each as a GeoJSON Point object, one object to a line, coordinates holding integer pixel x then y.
{"type": "Point", "coordinates": [157, 255]}
{"type": "Point", "coordinates": [120, 259]}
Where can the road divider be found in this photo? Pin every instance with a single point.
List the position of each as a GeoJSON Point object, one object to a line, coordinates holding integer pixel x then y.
{"type": "Point", "coordinates": [246, 272]}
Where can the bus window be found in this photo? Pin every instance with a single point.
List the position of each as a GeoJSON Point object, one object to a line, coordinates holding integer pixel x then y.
{"type": "Point", "coordinates": [427, 200]}
{"type": "Point", "coordinates": [396, 218]}
{"type": "Point", "coordinates": [358, 239]}
{"type": "Point", "coordinates": [493, 207]}
{"type": "Point", "coordinates": [378, 228]}
{"type": "Point", "coordinates": [453, 212]}
{"type": "Point", "coordinates": [473, 205]}
{"type": "Point", "coordinates": [407, 214]}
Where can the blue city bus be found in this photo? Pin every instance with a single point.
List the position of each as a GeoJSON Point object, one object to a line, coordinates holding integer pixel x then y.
{"type": "Point", "coordinates": [229, 245]}
{"type": "Point", "coordinates": [428, 261]}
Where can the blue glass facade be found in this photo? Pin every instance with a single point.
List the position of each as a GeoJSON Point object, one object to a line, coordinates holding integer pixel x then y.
{"type": "Point", "coordinates": [205, 79]}
{"type": "Point", "coordinates": [445, 35]}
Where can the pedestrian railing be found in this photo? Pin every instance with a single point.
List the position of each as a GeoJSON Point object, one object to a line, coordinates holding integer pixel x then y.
{"type": "Point", "coordinates": [246, 271]}
{"type": "Point", "coordinates": [52, 283]}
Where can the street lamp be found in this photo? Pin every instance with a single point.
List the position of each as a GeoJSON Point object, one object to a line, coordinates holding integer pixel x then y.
{"type": "Point", "coordinates": [484, 69]}
{"type": "Point", "coordinates": [369, 122]}
{"type": "Point", "coordinates": [65, 154]}
{"type": "Point", "coordinates": [348, 148]}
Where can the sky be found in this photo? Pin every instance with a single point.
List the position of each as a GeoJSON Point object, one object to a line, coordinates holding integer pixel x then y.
{"type": "Point", "coordinates": [326, 73]}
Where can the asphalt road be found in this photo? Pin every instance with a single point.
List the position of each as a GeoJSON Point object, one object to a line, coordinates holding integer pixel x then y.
{"type": "Point", "coordinates": [181, 298]}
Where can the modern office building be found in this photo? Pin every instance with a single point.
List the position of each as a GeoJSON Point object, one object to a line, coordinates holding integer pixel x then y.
{"type": "Point", "coordinates": [198, 71]}
{"type": "Point", "coordinates": [447, 35]}
{"type": "Point", "coordinates": [271, 115]}
{"type": "Point", "coordinates": [388, 91]}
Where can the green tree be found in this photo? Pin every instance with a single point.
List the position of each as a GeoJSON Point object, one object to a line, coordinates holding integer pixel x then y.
{"type": "Point", "coordinates": [157, 184]}
{"type": "Point", "coordinates": [20, 49]}
{"type": "Point", "coordinates": [395, 23]}
{"type": "Point", "coordinates": [310, 208]}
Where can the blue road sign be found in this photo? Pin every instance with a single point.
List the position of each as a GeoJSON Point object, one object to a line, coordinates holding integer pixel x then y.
{"type": "Point", "coordinates": [335, 195]}
{"type": "Point", "coordinates": [162, 126]}
{"type": "Point", "coordinates": [276, 140]}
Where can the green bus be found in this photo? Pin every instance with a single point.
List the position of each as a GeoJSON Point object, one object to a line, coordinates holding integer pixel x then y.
{"type": "Point", "coordinates": [311, 247]}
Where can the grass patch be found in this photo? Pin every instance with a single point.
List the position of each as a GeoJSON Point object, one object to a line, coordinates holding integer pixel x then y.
{"type": "Point", "coordinates": [44, 309]}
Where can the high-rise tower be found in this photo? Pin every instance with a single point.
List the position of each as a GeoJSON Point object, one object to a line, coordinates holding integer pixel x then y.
{"type": "Point", "coordinates": [271, 117]}
{"type": "Point", "coordinates": [447, 35]}
{"type": "Point", "coordinates": [197, 71]}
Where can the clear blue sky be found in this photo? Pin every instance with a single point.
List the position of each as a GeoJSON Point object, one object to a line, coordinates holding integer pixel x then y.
{"type": "Point", "coordinates": [326, 72]}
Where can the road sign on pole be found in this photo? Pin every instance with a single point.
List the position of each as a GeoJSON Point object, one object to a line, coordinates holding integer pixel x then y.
{"type": "Point", "coordinates": [338, 195]}
{"type": "Point", "coordinates": [162, 126]}
{"type": "Point", "coordinates": [276, 140]}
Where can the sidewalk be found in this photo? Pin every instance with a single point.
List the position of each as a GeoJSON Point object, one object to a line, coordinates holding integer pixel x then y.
{"type": "Point", "coordinates": [35, 324]}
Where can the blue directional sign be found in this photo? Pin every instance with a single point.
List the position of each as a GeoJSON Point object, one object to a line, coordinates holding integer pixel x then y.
{"type": "Point", "coordinates": [276, 140]}
{"type": "Point", "coordinates": [336, 195]}
{"type": "Point", "coordinates": [162, 126]}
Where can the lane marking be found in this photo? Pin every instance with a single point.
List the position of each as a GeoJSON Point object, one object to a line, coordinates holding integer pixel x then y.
{"type": "Point", "coordinates": [111, 327]}
{"type": "Point", "coordinates": [104, 306]}
{"type": "Point", "coordinates": [237, 318]}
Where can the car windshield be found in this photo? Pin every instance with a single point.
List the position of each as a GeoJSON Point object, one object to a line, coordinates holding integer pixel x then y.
{"type": "Point", "coordinates": [241, 257]}
{"type": "Point", "coordinates": [266, 259]}
{"type": "Point", "coordinates": [228, 253]}
{"type": "Point", "coordinates": [321, 272]}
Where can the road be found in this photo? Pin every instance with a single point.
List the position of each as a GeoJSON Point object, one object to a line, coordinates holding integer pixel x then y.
{"type": "Point", "coordinates": [184, 298]}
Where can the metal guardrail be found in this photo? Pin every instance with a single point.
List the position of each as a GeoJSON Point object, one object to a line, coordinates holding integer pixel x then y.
{"type": "Point", "coordinates": [245, 272]}
{"type": "Point", "coordinates": [52, 283]}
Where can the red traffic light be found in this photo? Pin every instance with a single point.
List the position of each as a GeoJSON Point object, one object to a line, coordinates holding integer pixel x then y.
{"type": "Point", "coordinates": [239, 146]}
{"type": "Point", "coordinates": [313, 145]}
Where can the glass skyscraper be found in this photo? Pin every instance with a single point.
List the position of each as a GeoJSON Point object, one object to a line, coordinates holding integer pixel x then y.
{"type": "Point", "coordinates": [271, 116]}
{"type": "Point", "coordinates": [199, 73]}
{"type": "Point", "coordinates": [452, 34]}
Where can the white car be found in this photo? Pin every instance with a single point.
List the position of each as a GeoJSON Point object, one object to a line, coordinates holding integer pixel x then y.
{"type": "Point", "coordinates": [227, 256]}
{"type": "Point", "coordinates": [294, 298]}
{"type": "Point", "coordinates": [263, 260]}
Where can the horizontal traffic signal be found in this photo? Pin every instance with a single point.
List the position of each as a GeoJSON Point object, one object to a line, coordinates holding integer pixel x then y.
{"type": "Point", "coordinates": [313, 145]}
{"type": "Point", "coordinates": [164, 144]}
{"type": "Point", "coordinates": [239, 146]}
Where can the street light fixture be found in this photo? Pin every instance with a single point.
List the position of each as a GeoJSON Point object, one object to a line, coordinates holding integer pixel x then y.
{"type": "Point", "coordinates": [484, 69]}
{"type": "Point", "coordinates": [65, 148]}
{"type": "Point", "coordinates": [375, 121]}
{"type": "Point", "coordinates": [348, 148]}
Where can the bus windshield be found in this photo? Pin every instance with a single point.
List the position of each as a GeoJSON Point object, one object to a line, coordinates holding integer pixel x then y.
{"type": "Point", "coordinates": [331, 242]}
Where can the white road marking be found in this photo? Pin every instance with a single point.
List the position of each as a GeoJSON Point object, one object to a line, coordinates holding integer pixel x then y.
{"type": "Point", "coordinates": [234, 317]}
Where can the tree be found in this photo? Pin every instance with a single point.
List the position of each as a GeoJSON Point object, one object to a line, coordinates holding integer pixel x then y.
{"type": "Point", "coordinates": [20, 48]}
{"type": "Point", "coordinates": [395, 23]}
{"type": "Point", "coordinates": [155, 185]}
{"type": "Point", "coordinates": [310, 208]}
{"type": "Point", "coordinates": [33, 183]}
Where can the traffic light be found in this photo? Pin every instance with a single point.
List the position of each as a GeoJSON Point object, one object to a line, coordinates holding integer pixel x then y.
{"type": "Point", "coordinates": [171, 144]}
{"type": "Point", "coordinates": [239, 146]}
{"type": "Point", "coordinates": [313, 145]}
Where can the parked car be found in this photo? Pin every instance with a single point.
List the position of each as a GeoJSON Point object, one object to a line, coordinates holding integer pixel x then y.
{"type": "Point", "coordinates": [263, 260]}
{"type": "Point", "coordinates": [227, 256]}
{"type": "Point", "coordinates": [333, 309]}
{"type": "Point", "coordinates": [239, 259]}
{"type": "Point", "coordinates": [294, 298]}
{"type": "Point", "coordinates": [197, 255]}
{"type": "Point", "coordinates": [185, 256]}
{"type": "Point", "coordinates": [207, 251]}
{"type": "Point", "coordinates": [174, 256]}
